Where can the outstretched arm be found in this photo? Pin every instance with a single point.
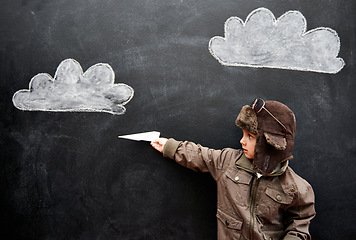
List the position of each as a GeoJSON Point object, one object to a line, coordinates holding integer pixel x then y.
{"type": "Point", "coordinates": [196, 157]}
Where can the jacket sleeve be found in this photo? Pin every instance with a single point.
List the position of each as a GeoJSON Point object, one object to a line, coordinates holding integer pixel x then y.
{"type": "Point", "coordinates": [298, 215]}
{"type": "Point", "coordinates": [197, 157]}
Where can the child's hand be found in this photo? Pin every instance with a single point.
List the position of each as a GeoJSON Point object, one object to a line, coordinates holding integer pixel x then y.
{"type": "Point", "coordinates": [159, 143]}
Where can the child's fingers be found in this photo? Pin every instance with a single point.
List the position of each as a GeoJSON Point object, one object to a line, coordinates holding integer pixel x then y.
{"type": "Point", "coordinates": [155, 142]}
{"type": "Point", "coordinates": [156, 145]}
{"type": "Point", "coordinates": [159, 143]}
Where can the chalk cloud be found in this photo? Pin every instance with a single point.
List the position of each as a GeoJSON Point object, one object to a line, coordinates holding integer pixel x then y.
{"type": "Point", "coordinates": [71, 90]}
{"type": "Point", "coordinates": [264, 41]}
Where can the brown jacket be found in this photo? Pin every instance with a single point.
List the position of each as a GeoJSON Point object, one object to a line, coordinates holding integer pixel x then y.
{"type": "Point", "coordinates": [279, 206]}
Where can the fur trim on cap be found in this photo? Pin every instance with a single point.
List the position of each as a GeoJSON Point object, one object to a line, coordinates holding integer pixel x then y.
{"type": "Point", "coordinates": [247, 119]}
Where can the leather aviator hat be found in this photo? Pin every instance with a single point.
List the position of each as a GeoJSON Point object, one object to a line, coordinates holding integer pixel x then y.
{"type": "Point", "coordinates": [275, 126]}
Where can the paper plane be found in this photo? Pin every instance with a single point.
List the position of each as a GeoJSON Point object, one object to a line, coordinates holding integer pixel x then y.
{"type": "Point", "coordinates": [145, 136]}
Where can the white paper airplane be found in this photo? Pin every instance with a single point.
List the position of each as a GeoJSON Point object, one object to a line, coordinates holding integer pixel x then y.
{"type": "Point", "coordinates": [145, 136]}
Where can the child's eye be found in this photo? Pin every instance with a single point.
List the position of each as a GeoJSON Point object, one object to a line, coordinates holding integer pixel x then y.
{"type": "Point", "coordinates": [250, 136]}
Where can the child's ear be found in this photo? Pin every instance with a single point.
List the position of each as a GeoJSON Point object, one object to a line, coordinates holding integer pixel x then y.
{"type": "Point", "coordinates": [277, 141]}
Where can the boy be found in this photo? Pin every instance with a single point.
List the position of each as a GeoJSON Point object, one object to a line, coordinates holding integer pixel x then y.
{"type": "Point", "coordinates": [259, 195]}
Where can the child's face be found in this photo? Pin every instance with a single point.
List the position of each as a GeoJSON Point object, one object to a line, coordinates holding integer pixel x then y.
{"type": "Point", "coordinates": [248, 142]}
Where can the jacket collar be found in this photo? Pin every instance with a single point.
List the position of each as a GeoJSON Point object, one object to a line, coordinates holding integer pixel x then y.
{"type": "Point", "coordinates": [246, 164]}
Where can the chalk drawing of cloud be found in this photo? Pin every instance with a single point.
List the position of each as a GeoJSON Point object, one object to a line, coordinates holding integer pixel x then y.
{"type": "Point", "coordinates": [71, 90]}
{"type": "Point", "coordinates": [263, 41]}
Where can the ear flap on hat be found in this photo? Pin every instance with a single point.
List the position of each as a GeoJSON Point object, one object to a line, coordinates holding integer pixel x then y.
{"type": "Point", "coordinates": [277, 141]}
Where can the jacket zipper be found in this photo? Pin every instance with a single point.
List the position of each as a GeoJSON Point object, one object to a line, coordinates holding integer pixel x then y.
{"type": "Point", "coordinates": [252, 206]}
{"type": "Point", "coordinates": [253, 199]}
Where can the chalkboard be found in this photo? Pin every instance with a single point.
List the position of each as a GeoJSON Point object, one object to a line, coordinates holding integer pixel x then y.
{"type": "Point", "coordinates": [66, 175]}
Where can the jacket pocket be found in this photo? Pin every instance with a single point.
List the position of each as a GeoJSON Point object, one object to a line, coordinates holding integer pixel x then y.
{"type": "Point", "coordinates": [278, 196]}
{"type": "Point", "coordinates": [237, 186]}
{"type": "Point", "coordinates": [271, 204]}
{"type": "Point", "coordinates": [239, 176]}
{"type": "Point", "coordinates": [229, 226]}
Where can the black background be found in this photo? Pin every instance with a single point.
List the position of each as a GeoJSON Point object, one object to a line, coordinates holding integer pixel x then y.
{"type": "Point", "coordinates": [68, 176]}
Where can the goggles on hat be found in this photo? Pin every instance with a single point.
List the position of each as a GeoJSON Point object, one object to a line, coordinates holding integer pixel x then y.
{"type": "Point", "coordinates": [258, 105]}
